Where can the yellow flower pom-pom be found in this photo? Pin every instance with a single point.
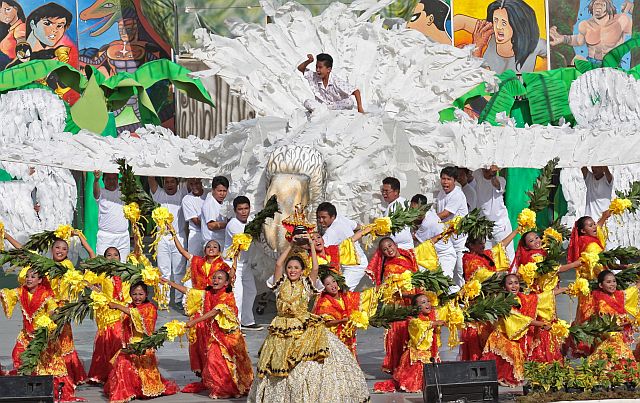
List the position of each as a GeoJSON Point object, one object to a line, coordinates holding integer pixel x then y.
{"type": "Point", "coordinates": [44, 321]}
{"type": "Point", "coordinates": [359, 319]}
{"type": "Point", "coordinates": [537, 258]}
{"type": "Point", "coordinates": [528, 273]}
{"type": "Point", "coordinates": [132, 212]}
{"type": "Point", "coordinates": [175, 329]}
{"type": "Point", "coordinates": [150, 275]}
{"type": "Point", "coordinates": [526, 220]}
{"type": "Point", "coordinates": [455, 316]}
{"type": "Point", "coordinates": [240, 242]}
{"type": "Point", "coordinates": [99, 300]}
{"type": "Point", "coordinates": [381, 226]}
{"type": "Point", "coordinates": [579, 287]}
{"type": "Point", "coordinates": [471, 289]}
{"type": "Point", "coordinates": [589, 259]}
{"type": "Point", "coordinates": [64, 232]}
{"type": "Point", "coordinates": [560, 329]}
{"type": "Point", "coordinates": [549, 234]}
{"type": "Point", "coordinates": [619, 205]}
{"type": "Point", "coordinates": [162, 216]}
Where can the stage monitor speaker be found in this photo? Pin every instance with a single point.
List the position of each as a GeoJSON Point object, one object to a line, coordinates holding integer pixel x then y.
{"type": "Point", "coordinates": [33, 389]}
{"type": "Point", "coordinates": [466, 381]}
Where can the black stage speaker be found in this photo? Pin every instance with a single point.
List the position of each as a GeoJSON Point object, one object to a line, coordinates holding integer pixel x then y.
{"type": "Point", "coordinates": [473, 381]}
{"type": "Point", "coordinates": [33, 389]}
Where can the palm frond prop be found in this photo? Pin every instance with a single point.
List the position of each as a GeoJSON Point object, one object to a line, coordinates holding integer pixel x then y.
{"type": "Point", "coordinates": [435, 281]}
{"type": "Point", "coordinates": [388, 313]}
{"type": "Point", "coordinates": [473, 224]}
{"type": "Point", "coordinates": [405, 216]}
{"type": "Point", "coordinates": [594, 329]}
{"type": "Point", "coordinates": [325, 269]}
{"type": "Point", "coordinates": [555, 254]}
{"type": "Point", "coordinates": [490, 308]}
{"type": "Point", "coordinates": [43, 265]}
{"type": "Point", "coordinates": [30, 357]}
{"type": "Point", "coordinates": [131, 190]}
{"type": "Point", "coordinates": [633, 195]}
{"type": "Point", "coordinates": [72, 312]}
{"type": "Point", "coordinates": [539, 195]}
{"type": "Point", "coordinates": [493, 284]}
{"type": "Point", "coordinates": [149, 342]}
{"type": "Point", "coordinates": [620, 255]}
{"type": "Point", "coordinates": [254, 227]}
{"type": "Point", "coordinates": [40, 242]}
{"type": "Point", "coordinates": [129, 272]}
{"type": "Point", "coordinates": [562, 229]}
{"type": "Point", "coordinates": [624, 278]}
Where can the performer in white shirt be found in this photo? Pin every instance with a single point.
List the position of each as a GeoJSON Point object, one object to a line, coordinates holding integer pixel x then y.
{"type": "Point", "coordinates": [490, 195]}
{"type": "Point", "coordinates": [336, 229]}
{"type": "Point", "coordinates": [430, 228]}
{"type": "Point", "coordinates": [113, 228]}
{"type": "Point", "coordinates": [170, 260]}
{"type": "Point", "coordinates": [192, 209]}
{"type": "Point", "coordinates": [599, 182]}
{"type": "Point", "coordinates": [391, 195]}
{"type": "Point", "coordinates": [450, 203]}
{"type": "Point", "coordinates": [244, 286]}
{"type": "Point", "coordinates": [468, 190]}
{"type": "Point", "coordinates": [213, 219]}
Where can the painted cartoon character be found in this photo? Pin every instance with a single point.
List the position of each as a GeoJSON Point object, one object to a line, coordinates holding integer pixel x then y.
{"type": "Point", "coordinates": [431, 17]}
{"type": "Point", "coordinates": [509, 38]}
{"type": "Point", "coordinates": [12, 30]}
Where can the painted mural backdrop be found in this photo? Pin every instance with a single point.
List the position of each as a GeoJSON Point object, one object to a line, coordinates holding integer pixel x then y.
{"type": "Point", "coordinates": [588, 29]}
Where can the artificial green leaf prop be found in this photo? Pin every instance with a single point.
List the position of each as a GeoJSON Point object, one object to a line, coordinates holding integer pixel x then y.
{"type": "Point", "coordinates": [539, 195]}
{"type": "Point", "coordinates": [30, 357]}
{"type": "Point", "coordinates": [132, 191]}
{"type": "Point", "coordinates": [405, 216]}
{"type": "Point", "coordinates": [27, 73]}
{"type": "Point", "coordinates": [40, 241]}
{"type": "Point", "coordinates": [633, 194]}
{"type": "Point", "coordinates": [23, 258]}
{"type": "Point", "coordinates": [101, 265]}
{"type": "Point", "coordinates": [475, 225]}
{"type": "Point", "coordinates": [625, 278]}
{"type": "Point", "coordinates": [254, 227]}
{"type": "Point", "coordinates": [621, 254]}
{"type": "Point", "coordinates": [153, 341]}
{"type": "Point", "coordinates": [551, 262]}
{"type": "Point", "coordinates": [90, 111]}
{"type": "Point", "coordinates": [548, 98]}
{"type": "Point", "coordinates": [493, 284]}
{"type": "Point", "coordinates": [435, 281]}
{"type": "Point", "coordinates": [561, 229]}
{"type": "Point", "coordinates": [615, 55]}
{"type": "Point", "coordinates": [594, 329]}
{"type": "Point", "coordinates": [490, 307]}
{"type": "Point", "coordinates": [503, 100]}
{"type": "Point", "coordinates": [72, 312]}
{"type": "Point", "coordinates": [388, 313]}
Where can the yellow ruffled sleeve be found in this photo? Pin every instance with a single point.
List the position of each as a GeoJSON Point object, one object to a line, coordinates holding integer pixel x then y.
{"type": "Point", "coordinates": [195, 302]}
{"type": "Point", "coordinates": [138, 321]}
{"type": "Point", "coordinates": [369, 299]}
{"type": "Point", "coordinates": [546, 309]}
{"type": "Point", "coordinates": [482, 274]}
{"type": "Point", "coordinates": [9, 298]}
{"type": "Point", "coordinates": [426, 255]}
{"type": "Point", "coordinates": [593, 247]}
{"type": "Point", "coordinates": [420, 334]}
{"type": "Point", "coordinates": [348, 254]}
{"type": "Point", "coordinates": [603, 234]}
{"type": "Point", "coordinates": [225, 318]}
{"type": "Point", "coordinates": [516, 325]}
{"type": "Point", "coordinates": [631, 300]}
{"type": "Point", "coordinates": [126, 295]}
{"type": "Point", "coordinates": [500, 257]}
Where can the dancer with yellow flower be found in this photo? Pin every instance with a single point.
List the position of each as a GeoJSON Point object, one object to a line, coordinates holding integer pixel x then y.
{"type": "Point", "coordinates": [136, 376]}
{"type": "Point", "coordinates": [301, 360]}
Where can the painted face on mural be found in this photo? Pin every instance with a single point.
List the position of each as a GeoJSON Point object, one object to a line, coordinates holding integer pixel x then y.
{"type": "Point", "coordinates": [502, 30]}
{"type": "Point", "coordinates": [8, 14]}
{"type": "Point", "coordinates": [599, 9]}
{"type": "Point", "coordinates": [49, 30]}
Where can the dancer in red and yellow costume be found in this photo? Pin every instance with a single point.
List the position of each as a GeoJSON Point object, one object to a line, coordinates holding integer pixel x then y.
{"type": "Point", "coordinates": [344, 311]}
{"type": "Point", "coordinates": [136, 376]}
{"type": "Point", "coordinates": [424, 344]}
{"type": "Point", "coordinates": [108, 340]}
{"type": "Point", "coordinates": [227, 371]}
{"type": "Point", "coordinates": [38, 303]}
{"type": "Point", "coordinates": [511, 339]}
{"type": "Point", "coordinates": [200, 272]}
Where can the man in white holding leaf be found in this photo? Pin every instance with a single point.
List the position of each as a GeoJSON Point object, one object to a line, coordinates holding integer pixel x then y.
{"type": "Point", "coordinates": [391, 195]}
{"type": "Point", "coordinates": [113, 228]}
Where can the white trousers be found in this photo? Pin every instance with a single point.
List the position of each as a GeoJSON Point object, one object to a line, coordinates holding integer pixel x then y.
{"type": "Point", "coordinates": [244, 289]}
{"type": "Point", "coordinates": [195, 246]}
{"type": "Point", "coordinates": [120, 241]}
{"type": "Point", "coordinates": [170, 261]}
{"type": "Point", "coordinates": [353, 275]}
{"type": "Point", "coordinates": [501, 230]}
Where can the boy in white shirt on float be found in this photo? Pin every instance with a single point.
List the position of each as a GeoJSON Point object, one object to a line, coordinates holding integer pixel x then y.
{"type": "Point", "coordinates": [213, 219]}
{"type": "Point", "coordinates": [391, 195]}
{"type": "Point", "coordinates": [244, 287]}
{"type": "Point", "coordinates": [113, 227]}
{"type": "Point", "coordinates": [451, 202]}
{"type": "Point", "coordinates": [599, 182]}
{"type": "Point", "coordinates": [192, 209]}
{"type": "Point", "coordinates": [328, 89]}
{"type": "Point", "coordinates": [170, 260]}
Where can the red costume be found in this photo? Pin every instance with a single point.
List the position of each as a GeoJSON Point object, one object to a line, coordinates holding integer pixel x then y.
{"type": "Point", "coordinates": [337, 308]}
{"type": "Point", "coordinates": [137, 376]}
{"type": "Point", "coordinates": [226, 370]}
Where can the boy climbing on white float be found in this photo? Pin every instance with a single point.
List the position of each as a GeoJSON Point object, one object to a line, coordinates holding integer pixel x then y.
{"type": "Point", "coordinates": [328, 89]}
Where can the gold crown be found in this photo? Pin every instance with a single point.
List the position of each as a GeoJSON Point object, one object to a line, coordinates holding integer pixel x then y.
{"type": "Point", "coordinates": [297, 219]}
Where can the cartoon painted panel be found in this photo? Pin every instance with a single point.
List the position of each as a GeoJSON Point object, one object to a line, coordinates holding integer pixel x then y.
{"type": "Point", "coordinates": [508, 34]}
{"type": "Point", "coordinates": [33, 29]}
{"type": "Point", "coordinates": [432, 18]}
{"type": "Point", "coordinates": [588, 29]}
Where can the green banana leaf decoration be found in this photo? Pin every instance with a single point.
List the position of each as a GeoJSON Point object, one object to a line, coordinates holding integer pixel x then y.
{"type": "Point", "coordinates": [503, 100]}
{"type": "Point", "coordinates": [27, 73]}
{"type": "Point", "coordinates": [548, 98]}
{"type": "Point", "coordinates": [615, 55]}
